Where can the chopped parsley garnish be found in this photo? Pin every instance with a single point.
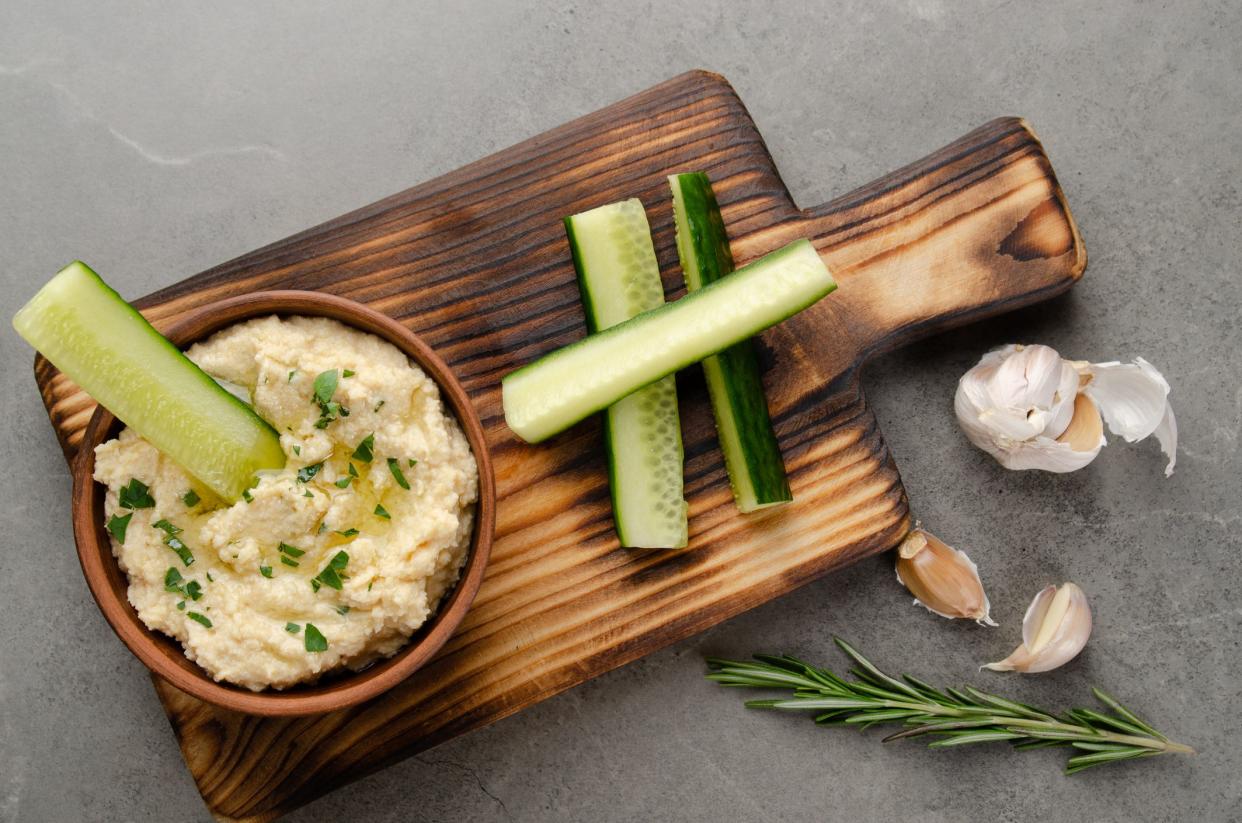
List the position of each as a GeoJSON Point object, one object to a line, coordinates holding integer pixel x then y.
{"type": "Point", "coordinates": [289, 561]}
{"type": "Point", "coordinates": [190, 498]}
{"type": "Point", "coordinates": [343, 482]}
{"type": "Point", "coordinates": [325, 385]}
{"type": "Point", "coordinates": [315, 641]}
{"type": "Point", "coordinates": [348, 373]}
{"type": "Point", "coordinates": [291, 373]}
{"type": "Point", "coordinates": [412, 462]}
{"type": "Point", "coordinates": [350, 532]}
{"type": "Point", "coordinates": [181, 605]}
{"type": "Point", "coordinates": [365, 450]}
{"type": "Point", "coordinates": [329, 410]}
{"type": "Point", "coordinates": [172, 580]}
{"type": "Point", "coordinates": [297, 449]}
{"type": "Point", "coordinates": [395, 468]}
{"type": "Point", "coordinates": [165, 526]}
{"type": "Point", "coordinates": [136, 495]}
{"type": "Point", "coordinates": [117, 525]}
{"type": "Point", "coordinates": [199, 618]}
{"type": "Point", "coordinates": [380, 511]}
{"type": "Point", "coordinates": [307, 493]}
{"type": "Point", "coordinates": [246, 495]}
{"type": "Point", "coordinates": [194, 590]}
{"type": "Point", "coordinates": [323, 527]}
{"type": "Point", "coordinates": [342, 609]}
{"type": "Point", "coordinates": [183, 551]}
{"type": "Point", "coordinates": [210, 579]}
{"type": "Point", "coordinates": [330, 576]}
{"type": "Point", "coordinates": [379, 406]}
{"type": "Point", "coordinates": [172, 541]}
{"type": "Point", "coordinates": [307, 472]}
{"type": "Point", "coordinates": [292, 551]}
{"type": "Point", "coordinates": [292, 628]}
{"type": "Point", "coordinates": [266, 571]}
{"type": "Point", "coordinates": [352, 471]}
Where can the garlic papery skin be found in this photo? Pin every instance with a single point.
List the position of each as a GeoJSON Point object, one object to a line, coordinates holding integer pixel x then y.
{"type": "Point", "coordinates": [941, 578]}
{"type": "Point", "coordinates": [1031, 409]}
{"type": "Point", "coordinates": [1056, 628]}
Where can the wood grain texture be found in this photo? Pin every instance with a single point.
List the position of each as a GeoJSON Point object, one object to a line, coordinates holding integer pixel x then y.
{"type": "Point", "coordinates": [476, 263]}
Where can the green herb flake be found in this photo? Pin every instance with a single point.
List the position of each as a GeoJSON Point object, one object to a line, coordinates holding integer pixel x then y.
{"type": "Point", "coordinates": [348, 373]}
{"type": "Point", "coordinates": [291, 373]}
{"type": "Point", "coordinates": [343, 482]}
{"type": "Point", "coordinates": [210, 579]}
{"type": "Point", "coordinates": [190, 498]}
{"type": "Point", "coordinates": [172, 580]}
{"type": "Point", "coordinates": [307, 472]}
{"type": "Point", "coordinates": [380, 511]}
{"type": "Point", "coordinates": [297, 449]}
{"type": "Point", "coordinates": [167, 527]}
{"type": "Point", "coordinates": [307, 493]}
{"type": "Point", "coordinates": [352, 471]}
{"type": "Point", "coordinates": [181, 606]}
{"type": "Point", "coordinates": [315, 641]}
{"type": "Point", "coordinates": [292, 628]}
{"type": "Point", "coordinates": [330, 576]}
{"type": "Point", "coordinates": [365, 450]}
{"type": "Point", "coordinates": [369, 585]}
{"type": "Point", "coordinates": [342, 609]}
{"type": "Point", "coordinates": [292, 551]}
{"type": "Point", "coordinates": [135, 495]}
{"type": "Point", "coordinates": [325, 385]}
{"type": "Point", "coordinates": [266, 571]}
{"type": "Point", "coordinates": [247, 496]}
{"type": "Point", "coordinates": [395, 468]}
{"type": "Point", "coordinates": [194, 590]}
{"type": "Point", "coordinates": [181, 550]}
{"type": "Point", "coordinates": [323, 527]}
{"type": "Point", "coordinates": [350, 532]}
{"type": "Point", "coordinates": [289, 561]}
{"type": "Point", "coordinates": [117, 526]}
{"type": "Point", "coordinates": [199, 618]}
{"type": "Point", "coordinates": [315, 584]}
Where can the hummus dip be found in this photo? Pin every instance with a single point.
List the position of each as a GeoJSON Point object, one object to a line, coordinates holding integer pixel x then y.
{"type": "Point", "coordinates": [334, 560]}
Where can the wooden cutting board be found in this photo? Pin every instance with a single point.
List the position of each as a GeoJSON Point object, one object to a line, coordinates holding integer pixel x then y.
{"type": "Point", "coordinates": [476, 263]}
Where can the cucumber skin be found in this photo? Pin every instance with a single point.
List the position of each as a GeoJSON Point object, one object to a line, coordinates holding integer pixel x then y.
{"type": "Point", "coordinates": [624, 536]}
{"type": "Point", "coordinates": [25, 322]}
{"type": "Point", "coordinates": [538, 433]}
{"type": "Point", "coordinates": [756, 469]}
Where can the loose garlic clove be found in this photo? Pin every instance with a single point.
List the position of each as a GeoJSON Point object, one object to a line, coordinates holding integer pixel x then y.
{"type": "Point", "coordinates": [1055, 629]}
{"type": "Point", "coordinates": [941, 578]}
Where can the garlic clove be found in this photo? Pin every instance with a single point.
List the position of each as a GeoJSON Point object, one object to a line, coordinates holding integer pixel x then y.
{"type": "Point", "coordinates": [1031, 409]}
{"type": "Point", "coordinates": [941, 578]}
{"type": "Point", "coordinates": [1055, 629]}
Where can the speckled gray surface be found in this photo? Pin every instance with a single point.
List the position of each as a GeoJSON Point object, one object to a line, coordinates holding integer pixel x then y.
{"type": "Point", "coordinates": [155, 140]}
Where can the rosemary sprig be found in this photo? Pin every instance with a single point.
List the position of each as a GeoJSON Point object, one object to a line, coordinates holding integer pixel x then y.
{"type": "Point", "coordinates": [955, 717]}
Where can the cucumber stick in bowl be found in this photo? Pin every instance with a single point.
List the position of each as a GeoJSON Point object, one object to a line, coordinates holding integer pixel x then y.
{"type": "Point", "coordinates": [619, 278]}
{"type": "Point", "coordinates": [561, 388]}
{"type": "Point", "coordinates": [104, 345]}
{"type": "Point", "coordinates": [751, 453]}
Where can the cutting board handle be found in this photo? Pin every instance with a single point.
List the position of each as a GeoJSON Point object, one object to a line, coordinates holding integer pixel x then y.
{"type": "Point", "coordinates": [975, 229]}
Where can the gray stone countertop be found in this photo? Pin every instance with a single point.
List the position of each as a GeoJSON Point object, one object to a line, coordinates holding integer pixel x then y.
{"type": "Point", "coordinates": [157, 139]}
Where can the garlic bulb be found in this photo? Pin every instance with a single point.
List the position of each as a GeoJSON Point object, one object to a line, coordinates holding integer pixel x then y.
{"type": "Point", "coordinates": [941, 578]}
{"type": "Point", "coordinates": [1031, 409]}
{"type": "Point", "coordinates": [1055, 629]}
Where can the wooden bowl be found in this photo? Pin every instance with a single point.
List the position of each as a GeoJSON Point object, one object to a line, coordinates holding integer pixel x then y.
{"type": "Point", "coordinates": [163, 654]}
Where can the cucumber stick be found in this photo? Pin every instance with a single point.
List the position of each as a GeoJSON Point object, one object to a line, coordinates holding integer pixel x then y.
{"type": "Point", "coordinates": [619, 279]}
{"type": "Point", "coordinates": [561, 388]}
{"type": "Point", "coordinates": [104, 345]}
{"type": "Point", "coordinates": [751, 453]}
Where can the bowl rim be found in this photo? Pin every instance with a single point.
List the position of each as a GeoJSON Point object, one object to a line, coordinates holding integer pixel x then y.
{"type": "Point", "coordinates": [101, 568]}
